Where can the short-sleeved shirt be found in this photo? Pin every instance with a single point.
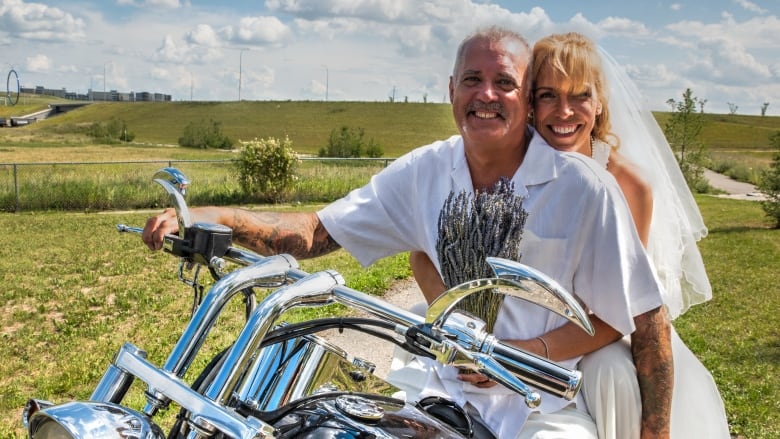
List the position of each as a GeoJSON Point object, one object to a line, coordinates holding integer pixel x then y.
{"type": "Point", "coordinates": [579, 231]}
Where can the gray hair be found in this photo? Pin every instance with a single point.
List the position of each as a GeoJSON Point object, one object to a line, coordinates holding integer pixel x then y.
{"type": "Point", "coordinates": [495, 34]}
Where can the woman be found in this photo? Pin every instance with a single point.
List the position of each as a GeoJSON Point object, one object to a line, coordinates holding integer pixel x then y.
{"type": "Point", "coordinates": [572, 109]}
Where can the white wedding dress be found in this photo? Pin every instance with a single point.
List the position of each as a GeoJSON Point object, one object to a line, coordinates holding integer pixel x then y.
{"type": "Point", "coordinates": [676, 225]}
{"type": "Point", "coordinates": [697, 408]}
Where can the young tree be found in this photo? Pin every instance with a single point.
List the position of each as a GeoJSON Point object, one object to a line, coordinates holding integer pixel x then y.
{"type": "Point", "coordinates": [682, 130]}
{"type": "Point", "coordinates": [764, 106]}
{"type": "Point", "coordinates": [770, 183]}
{"type": "Point", "coordinates": [733, 108]}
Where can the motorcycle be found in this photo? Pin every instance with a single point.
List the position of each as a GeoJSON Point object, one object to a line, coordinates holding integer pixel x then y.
{"type": "Point", "coordinates": [283, 380]}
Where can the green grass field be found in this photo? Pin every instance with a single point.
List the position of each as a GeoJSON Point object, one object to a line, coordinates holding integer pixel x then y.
{"type": "Point", "coordinates": [75, 290]}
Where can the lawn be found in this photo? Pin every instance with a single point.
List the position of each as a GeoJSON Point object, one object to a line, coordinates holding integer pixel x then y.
{"type": "Point", "coordinates": [75, 290]}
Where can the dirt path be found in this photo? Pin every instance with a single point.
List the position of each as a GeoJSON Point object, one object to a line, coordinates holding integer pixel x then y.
{"type": "Point", "coordinates": [733, 188]}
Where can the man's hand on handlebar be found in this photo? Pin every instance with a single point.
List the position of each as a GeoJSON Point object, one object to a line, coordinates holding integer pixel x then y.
{"type": "Point", "coordinates": [475, 379]}
{"type": "Point", "coordinates": [158, 226]}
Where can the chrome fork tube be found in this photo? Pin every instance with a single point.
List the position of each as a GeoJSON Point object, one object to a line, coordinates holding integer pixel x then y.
{"type": "Point", "coordinates": [269, 269]}
{"type": "Point", "coordinates": [315, 289]}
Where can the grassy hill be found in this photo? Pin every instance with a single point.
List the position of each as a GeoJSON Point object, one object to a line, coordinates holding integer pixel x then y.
{"type": "Point", "coordinates": [396, 127]}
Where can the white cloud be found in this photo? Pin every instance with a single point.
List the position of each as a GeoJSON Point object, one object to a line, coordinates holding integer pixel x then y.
{"type": "Point", "coordinates": [203, 35]}
{"type": "Point", "coordinates": [623, 26]}
{"type": "Point", "coordinates": [38, 63]}
{"type": "Point", "coordinates": [36, 21]}
{"type": "Point", "coordinates": [168, 4]}
{"type": "Point", "coordinates": [261, 31]}
{"type": "Point", "coordinates": [675, 6]}
{"type": "Point", "coordinates": [750, 6]}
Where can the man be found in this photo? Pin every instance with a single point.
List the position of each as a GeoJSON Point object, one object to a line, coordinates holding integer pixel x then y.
{"type": "Point", "coordinates": [574, 209]}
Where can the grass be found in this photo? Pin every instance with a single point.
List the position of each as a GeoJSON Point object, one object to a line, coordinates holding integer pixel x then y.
{"type": "Point", "coordinates": [307, 124]}
{"type": "Point", "coordinates": [735, 334]}
{"type": "Point", "coordinates": [125, 185]}
{"type": "Point", "coordinates": [75, 290]}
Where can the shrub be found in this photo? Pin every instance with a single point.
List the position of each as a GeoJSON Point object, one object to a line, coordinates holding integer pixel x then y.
{"type": "Point", "coordinates": [266, 168]}
{"type": "Point", "coordinates": [205, 135]}
{"type": "Point", "coordinates": [349, 142]}
{"type": "Point", "coordinates": [770, 183]}
{"type": "Point", "coordinates": [113, 131]}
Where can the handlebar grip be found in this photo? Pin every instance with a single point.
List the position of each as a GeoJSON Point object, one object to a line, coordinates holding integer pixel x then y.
{"type": "Point", "coordinates": [538, 372]}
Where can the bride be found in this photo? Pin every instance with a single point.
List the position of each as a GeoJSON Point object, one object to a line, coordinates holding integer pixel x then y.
{"type": "Point", "coordinates": [585, 103]}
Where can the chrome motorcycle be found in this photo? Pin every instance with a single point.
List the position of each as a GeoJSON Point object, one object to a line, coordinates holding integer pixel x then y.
{"type": "Point", "coordinates": [282, 380]}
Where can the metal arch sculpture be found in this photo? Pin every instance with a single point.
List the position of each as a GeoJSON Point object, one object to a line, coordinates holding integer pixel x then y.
{"type": "Point", "coordinates": [12, 88]}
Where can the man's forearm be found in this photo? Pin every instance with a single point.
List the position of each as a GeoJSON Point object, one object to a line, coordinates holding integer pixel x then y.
{"type": "Point", "coordinates": [651, 348]}
{"type": "Point", "coordinates": [301, 235]}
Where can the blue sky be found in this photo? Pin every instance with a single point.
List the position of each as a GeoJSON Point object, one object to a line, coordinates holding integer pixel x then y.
{"type": "Point", "coordinates": [726, 51]}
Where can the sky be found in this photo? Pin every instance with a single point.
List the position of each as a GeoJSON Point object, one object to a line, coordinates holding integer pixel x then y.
{"type": "Point", "coordinates": [726, 51]}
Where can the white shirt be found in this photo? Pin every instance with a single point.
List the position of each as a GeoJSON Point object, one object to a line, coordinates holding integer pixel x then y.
{"type": "Point", "coordinates": [579, 231]}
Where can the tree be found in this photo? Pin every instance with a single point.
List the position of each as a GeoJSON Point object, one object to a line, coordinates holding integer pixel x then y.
{"type": "Point", "coordinates": [770, 183]}
{"type": "Point", "coordinates": [671, 103]}
{"type": "Point", "coordinates": [701, 105]}
{"type": "Point", "coordinates": [266, 168]}
{"type": "Point", "coordinates": [764, 106]}
{"type": "Point", "coordinates": [683, 130]}
{"type": "Point", "coordinates": [733, 108]}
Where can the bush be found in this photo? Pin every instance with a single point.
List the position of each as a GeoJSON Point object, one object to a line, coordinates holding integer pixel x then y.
{"type": "Point", "coordinates": [205, 135]}
{"type": "Point", "coordinates": [113, 131]}
{"type": "Point", "coordinates": [266, 168]}
{"type": "Point", "coordinates": [349, 143]}
{"type": "Point", "coordinates": [770, 183]}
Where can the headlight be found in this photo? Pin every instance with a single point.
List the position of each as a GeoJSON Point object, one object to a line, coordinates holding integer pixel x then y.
{"type": "Point", "coordinates": [91, 420]}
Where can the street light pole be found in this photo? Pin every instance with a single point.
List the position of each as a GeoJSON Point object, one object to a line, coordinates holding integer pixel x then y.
{"type": "Point", "coordinates": [326, 82]}
{"type": "Point", "coordinates": [240, 71]}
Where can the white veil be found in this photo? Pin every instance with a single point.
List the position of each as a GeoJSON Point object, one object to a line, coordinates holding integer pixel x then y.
{"type": "Point", "coordinates": [676, 224]}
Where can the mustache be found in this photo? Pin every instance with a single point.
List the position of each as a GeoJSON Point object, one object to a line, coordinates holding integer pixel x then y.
{"type": "Point", "coordinates": [492, 107]}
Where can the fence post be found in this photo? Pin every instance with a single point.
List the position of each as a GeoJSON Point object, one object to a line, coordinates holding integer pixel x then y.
{"type": "Point", "coordinates": [16, 191]}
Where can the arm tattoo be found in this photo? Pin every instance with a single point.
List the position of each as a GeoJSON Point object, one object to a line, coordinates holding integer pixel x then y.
{"type": "Point", "coordinates": [302, 235]}
{"type": "Point", "coordinates": [652, 351]}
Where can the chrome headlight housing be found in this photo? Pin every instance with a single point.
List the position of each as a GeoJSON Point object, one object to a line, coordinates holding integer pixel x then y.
{"type": "Point", "coordinates": [91, 420]}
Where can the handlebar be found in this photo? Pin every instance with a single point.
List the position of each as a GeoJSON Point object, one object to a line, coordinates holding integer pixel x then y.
{"type": "Point", "coordinates": [446, 334]}
{"type": "Point", "coordinates": [451, 337]}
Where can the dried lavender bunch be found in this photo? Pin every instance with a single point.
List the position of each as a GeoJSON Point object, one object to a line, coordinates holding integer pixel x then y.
{"type": "Point", "coordinates": [473, 227]}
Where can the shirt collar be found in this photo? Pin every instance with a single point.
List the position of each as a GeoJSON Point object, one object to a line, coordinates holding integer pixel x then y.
{"type": "Point", "coordinates": [539, 165]}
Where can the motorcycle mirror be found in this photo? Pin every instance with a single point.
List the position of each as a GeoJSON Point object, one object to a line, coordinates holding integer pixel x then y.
{"type": "Point", "coordinates": [175, 183]}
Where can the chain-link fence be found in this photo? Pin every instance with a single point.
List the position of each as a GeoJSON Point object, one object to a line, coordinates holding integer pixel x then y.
{"type": "Point", "coordinates": [79, 186]}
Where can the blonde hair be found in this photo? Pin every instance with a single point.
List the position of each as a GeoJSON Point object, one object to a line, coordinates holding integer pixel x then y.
{"type": "Point", "coordinates": [575, 57]}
